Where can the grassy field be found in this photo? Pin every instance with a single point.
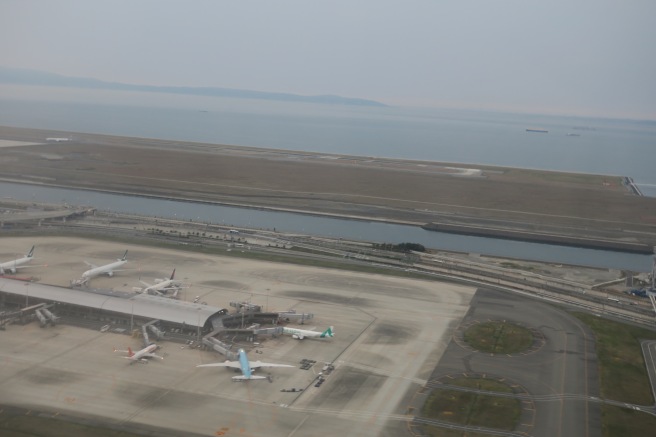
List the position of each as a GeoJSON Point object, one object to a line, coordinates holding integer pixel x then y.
{"type": "Point", "coordinates": [591, 180]}
{"type": "Point", "coordinates": [35, 426]}
{"type": "Point", "coordinates": [618, 421]}
{"type": "Point", "coordinates": [498, 337]}
{"type": "Point", "coordinates": [621, 364]}
{"type": "Point", "coordinates": [468, 408]}
{"type": "Point", "coordinates": [623, 375]}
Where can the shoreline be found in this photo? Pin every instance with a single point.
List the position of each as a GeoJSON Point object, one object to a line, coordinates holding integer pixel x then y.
{"type": "Point", "coordinates": [536, 237]}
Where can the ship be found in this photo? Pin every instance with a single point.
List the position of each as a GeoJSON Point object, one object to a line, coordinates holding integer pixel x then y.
{"type": "Point", "coordinates": [542, 131]}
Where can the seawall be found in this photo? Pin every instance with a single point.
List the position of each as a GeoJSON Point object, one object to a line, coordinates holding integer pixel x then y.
{"type": "Point", "coordinates": [537, 237]}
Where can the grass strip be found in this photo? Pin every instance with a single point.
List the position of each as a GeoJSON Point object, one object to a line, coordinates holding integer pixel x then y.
{"type": "Point", "coordinates": [474, 409]}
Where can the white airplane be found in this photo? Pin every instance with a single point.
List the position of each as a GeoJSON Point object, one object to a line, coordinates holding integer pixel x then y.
{"type": "Point", "coordinates": [141, 355]}
{"type": "Point", "coordinates": [12, 266]}
{"type": "Point", "coordinates": [163, 287]}
{"type": "Point", "coordinates": [300, 334]}
{"type": "Point", "coordinates": [247, 367]}
{"type": "Point", "coordinates": [107, 269]}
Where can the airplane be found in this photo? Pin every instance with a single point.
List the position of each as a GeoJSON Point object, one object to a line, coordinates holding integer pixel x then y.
{"type": "Point", "coordinates": [107, 269]}
{"type": "Point", "coordinates": [162, 287]}
{"type": "Point", "coordinates": [300, 334]}
{"type": "Point", "coordinates": [12, 266]}
{"type": "Point", "coordinates": [141, 355]}
{"type": "Point", "coordinates": [247, 367]}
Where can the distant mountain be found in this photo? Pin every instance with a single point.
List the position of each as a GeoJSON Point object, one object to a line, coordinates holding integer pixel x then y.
{"type": "Point", "coordinates": [42, 78]}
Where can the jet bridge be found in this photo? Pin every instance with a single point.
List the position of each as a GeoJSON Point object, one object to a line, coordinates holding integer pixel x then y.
{"type": "Point", "coordinates": [290, 315]}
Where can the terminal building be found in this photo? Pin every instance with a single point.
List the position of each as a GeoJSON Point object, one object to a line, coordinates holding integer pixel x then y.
{"type": "Point", "coordinates": [121, 312]}
{"type": "Point", "coordinates": [138, 314]}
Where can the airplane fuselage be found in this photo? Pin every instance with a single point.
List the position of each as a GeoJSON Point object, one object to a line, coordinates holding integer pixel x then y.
{"type": "Point", "coordinates": [145, 351]}
{"type": "Point", "coordinates": [10, 266]}
{"type": "Point", "coordinates": [300, 334]}
{"type": "Point", "coordinates": [245, 365]}
{"type": "Point", "coordinates": [159, 286]}
{"type": "Point", "coordinates": [17, 263]}
{"type": "Point", "coordinates": [106, 269]}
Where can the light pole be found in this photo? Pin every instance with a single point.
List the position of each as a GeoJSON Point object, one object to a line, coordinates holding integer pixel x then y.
{"type": "Point", "coordinates": [198, 327]}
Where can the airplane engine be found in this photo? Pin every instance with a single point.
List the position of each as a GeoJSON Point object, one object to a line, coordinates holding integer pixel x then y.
{"type": "Point", "coordinates": [110, 274]}
{"type": "Point", "coordinates": [297, 336]}
{"type": "Point", "coordinates": [42, 319]}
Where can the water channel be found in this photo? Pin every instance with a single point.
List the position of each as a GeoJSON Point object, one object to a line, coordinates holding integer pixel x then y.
{"type": "Point", "coordinates": [324, 226]}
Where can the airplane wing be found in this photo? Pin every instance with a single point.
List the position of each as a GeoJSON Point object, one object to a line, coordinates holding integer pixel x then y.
{"type": "Point", "coordinates": [153, 356]}
{"type": "Point", "coordinates": [232, 364]}
{"type": "Point", "coordinates": [256, 364]}
{"type": "Point", "coordinates": [145, 283]}
{"type": "Point", "coordinates": [93, 266]}
{"type": "Point", "coordinates": [243, 378]}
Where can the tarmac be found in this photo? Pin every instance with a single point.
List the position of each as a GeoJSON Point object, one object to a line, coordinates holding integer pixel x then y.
{"type": "Point", "coordinates": [390, 335]}
{"type": "Point", "coordinates": [558, 375]}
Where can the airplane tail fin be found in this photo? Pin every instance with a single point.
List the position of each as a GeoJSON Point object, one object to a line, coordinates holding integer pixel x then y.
{"type": "Point", "coordinates": [31, 252]}
{"type": "Point", "coordinates": [125, 256]}
{"type": "Point", "coordinates": [173, 274]}
{"type": "Point", "coordinates": [328, 332]}
{"type": "Point", "coordinates": [130, 353]}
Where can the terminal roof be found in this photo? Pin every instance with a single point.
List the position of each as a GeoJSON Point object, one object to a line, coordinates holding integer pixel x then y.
{"type": "Point", "coordinates": [140, 305]}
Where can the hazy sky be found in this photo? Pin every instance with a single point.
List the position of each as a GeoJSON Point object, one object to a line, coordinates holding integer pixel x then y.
{"type": "Point", "coordinates": [595, 57]}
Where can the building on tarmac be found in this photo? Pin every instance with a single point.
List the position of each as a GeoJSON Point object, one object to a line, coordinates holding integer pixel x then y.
{"type": "Point", "coordinates": [122, 311]}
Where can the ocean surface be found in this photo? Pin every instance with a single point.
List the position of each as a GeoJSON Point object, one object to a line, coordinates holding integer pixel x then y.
{"type": "Point", "coordinates": [572, 144]}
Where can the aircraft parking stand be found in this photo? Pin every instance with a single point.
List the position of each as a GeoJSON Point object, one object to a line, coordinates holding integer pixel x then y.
{"type": "Point", "coordinates": [390, 334]}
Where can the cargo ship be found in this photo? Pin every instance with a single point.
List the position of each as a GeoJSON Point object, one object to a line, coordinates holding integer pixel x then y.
{"type": "Point", "coordinates": [542, 131]}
